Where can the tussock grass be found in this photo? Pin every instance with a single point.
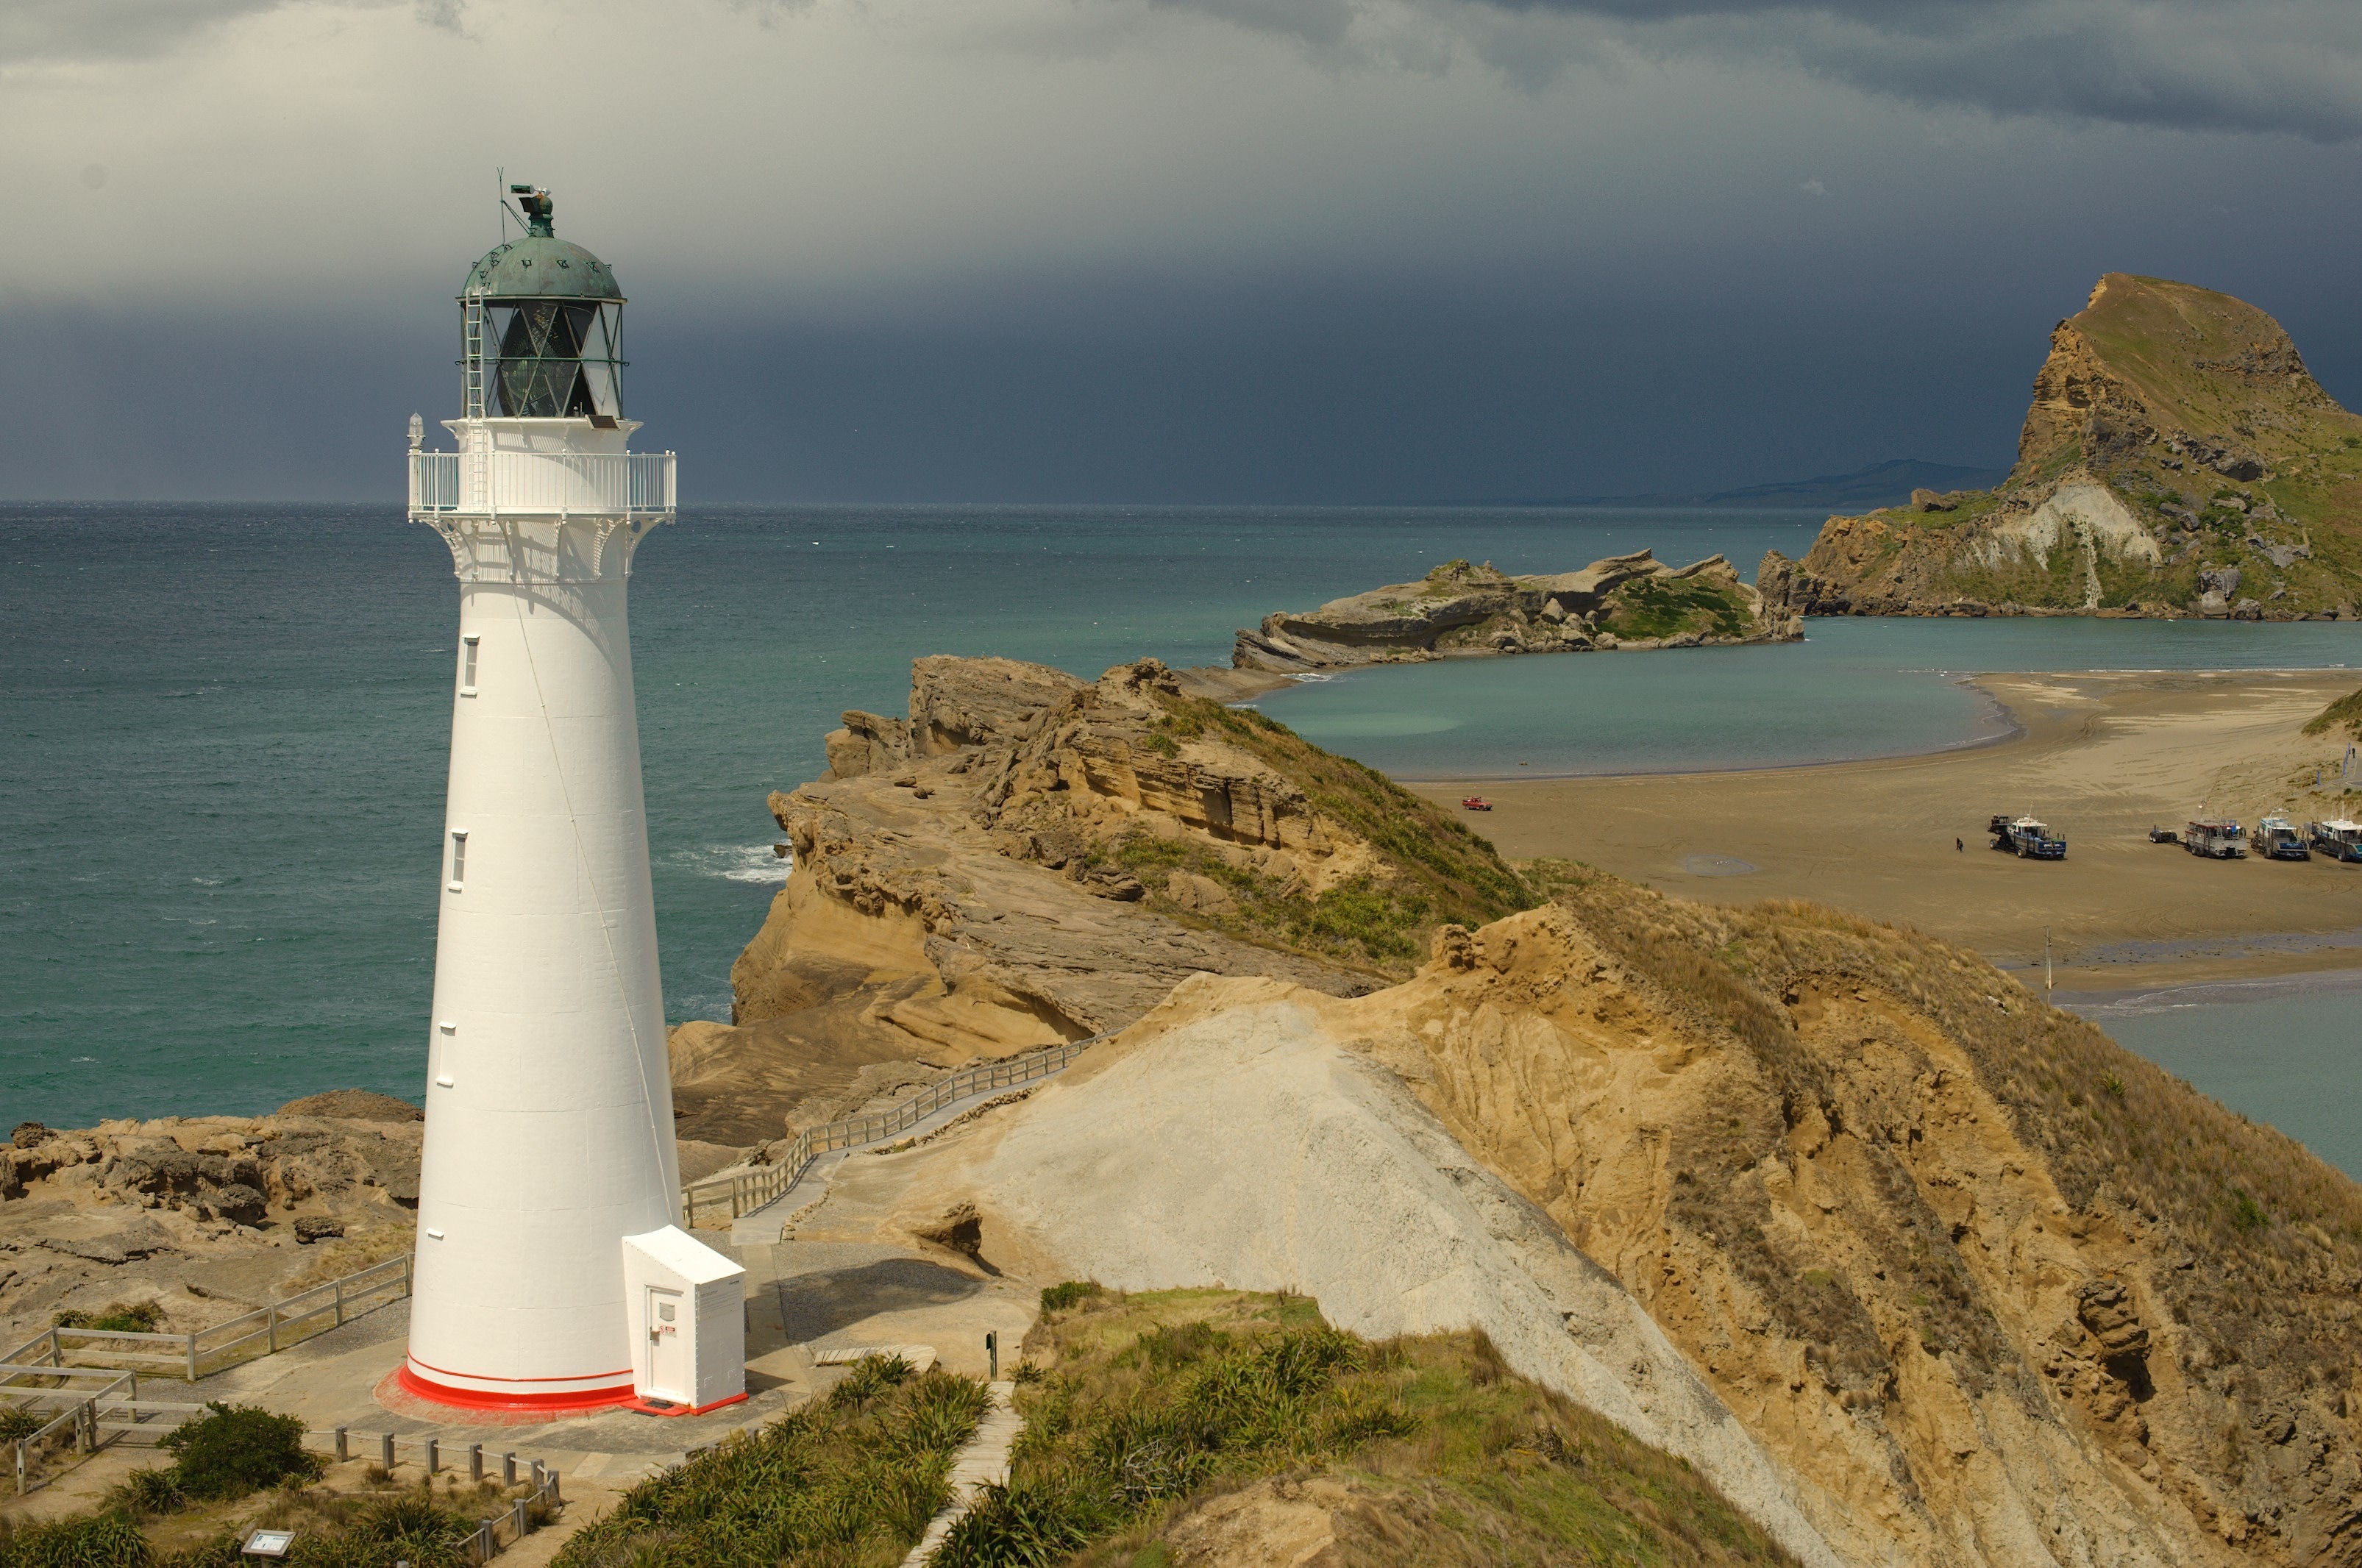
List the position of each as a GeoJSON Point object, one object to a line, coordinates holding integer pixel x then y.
{"type": "Point", "coordinates": [138, 1318]}
{"type": "Point", "coordinates": [331, 1530]}
{"type": "Point", "coordinates": [1430, 1451]}
{"type": "Point", "coordinates": [845, 1482]}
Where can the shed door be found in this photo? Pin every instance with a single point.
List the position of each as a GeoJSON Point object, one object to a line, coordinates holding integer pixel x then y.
{"type": "Point", "coordinates": [667, 1350]}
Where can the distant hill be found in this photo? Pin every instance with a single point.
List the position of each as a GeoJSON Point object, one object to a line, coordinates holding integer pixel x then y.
{"type": "Point", "coordinates": [1889, 484]}
{"type": "Point", "coordinates": [2177, 458]}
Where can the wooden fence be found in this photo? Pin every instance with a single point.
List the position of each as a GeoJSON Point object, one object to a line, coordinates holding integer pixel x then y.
{"type": "Point", "coordinates": [87, 1415]}
{"type": "Point", "coordinates": [748, 1190]}
{"type": "Point", "coordinates": [193, 1354]}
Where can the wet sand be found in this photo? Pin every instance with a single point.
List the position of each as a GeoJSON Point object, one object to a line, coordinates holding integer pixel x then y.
{"type": "Point", "coordinates": [2101, 757]}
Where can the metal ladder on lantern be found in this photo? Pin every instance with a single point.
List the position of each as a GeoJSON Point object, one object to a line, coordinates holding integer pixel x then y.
{"type": "Point", "coordinates": [475, 462]}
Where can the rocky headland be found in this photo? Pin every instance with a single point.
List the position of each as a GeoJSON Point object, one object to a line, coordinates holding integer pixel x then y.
{"type": "Point", "coordinates": [1629, 602]}
{"type": "Point", "coordinates": [1913, 1268]}
{"type": "Point", "coordinates": [2178, 459]}
{"type": "Point", "coordinates": [1027, 858]}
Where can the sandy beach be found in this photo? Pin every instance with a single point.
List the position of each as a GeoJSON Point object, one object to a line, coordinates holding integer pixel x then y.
{"type": "Point", "coordinates": [2101, 757]}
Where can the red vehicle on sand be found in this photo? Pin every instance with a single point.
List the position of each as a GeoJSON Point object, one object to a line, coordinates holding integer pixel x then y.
{"type": "Point", "coordinates": [1475, 803]}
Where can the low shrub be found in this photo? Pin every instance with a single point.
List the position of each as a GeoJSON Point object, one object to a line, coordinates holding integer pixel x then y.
{"type": "Point", "coordinates": [1058, 1297]}
{"type": "Point", "coordinates": [17, 1423]}
{"type": "Point", "coordinates": [230, 1451]}
{"type": "Point", "coordinates": [137, 1317]}
{"type": "Point", "coordinates": [145, 1492]}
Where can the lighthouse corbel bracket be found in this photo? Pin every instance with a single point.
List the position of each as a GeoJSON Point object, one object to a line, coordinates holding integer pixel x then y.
{"type": "Point", "coordinates": [543, 549]}
{"type": "Point", "coordinates": [631, 531]}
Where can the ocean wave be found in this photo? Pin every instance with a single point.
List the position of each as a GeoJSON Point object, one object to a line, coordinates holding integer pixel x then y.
{"type": "Point", "coordinates": [735, 862]}
{"type": "Point", "coordinates": [2209, 993]}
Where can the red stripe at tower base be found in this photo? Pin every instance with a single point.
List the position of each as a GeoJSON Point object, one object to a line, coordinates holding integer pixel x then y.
{"type": "Point", "coordinates": [485, 1399]}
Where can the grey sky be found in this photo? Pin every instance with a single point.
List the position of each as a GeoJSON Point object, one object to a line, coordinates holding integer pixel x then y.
{"type": "Point", "coordinates": [1213, 250]}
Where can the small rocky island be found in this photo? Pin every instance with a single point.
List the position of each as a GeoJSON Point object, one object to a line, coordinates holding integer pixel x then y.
{"type": "Point", "coordinates": [1629, 602]}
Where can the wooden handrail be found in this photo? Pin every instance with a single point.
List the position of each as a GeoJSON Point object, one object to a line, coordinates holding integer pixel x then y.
{"type": "Point", "coordinates": [274, 1317]}
{"type": "Point", "coordinates": [750, 1190]}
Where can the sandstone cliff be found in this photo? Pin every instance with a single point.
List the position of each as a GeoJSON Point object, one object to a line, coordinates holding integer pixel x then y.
{"type": "Point", "coordinates": [1027, 858]}
{"type": "Point", "coordinates": [1914, 1269]}
{"type": "Point", "coordinates": [2177, 460]}
{"type": "Point", "coordinates": [1625, 601]}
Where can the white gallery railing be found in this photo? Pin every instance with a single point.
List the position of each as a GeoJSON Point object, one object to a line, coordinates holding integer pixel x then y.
{"type": "Point", "coordinates": [491, 483]}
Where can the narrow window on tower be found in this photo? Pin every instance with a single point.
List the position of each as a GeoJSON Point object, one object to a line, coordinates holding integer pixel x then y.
{"type": "Point", "coordinates": [458, 859]}
{"type": "Point", "coordinates": [468, 665]}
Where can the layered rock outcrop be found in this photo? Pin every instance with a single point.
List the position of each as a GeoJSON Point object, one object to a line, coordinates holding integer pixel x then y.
{"type": "Point", "coordinates": [202, 1216]}
{"type": "Point", "coordinates": [2175, 448]}
{"type": "Point", "coordinates": [1029, 857]}
{"type": "Point", "coordinates": [1631, 602]}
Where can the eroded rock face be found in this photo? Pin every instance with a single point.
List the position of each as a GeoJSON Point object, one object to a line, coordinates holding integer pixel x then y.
{"type": "Point", "coordinates": [959, 903]}
{"type": "Point", "coordinates": [1823, 1162]}
{"type": "Point", "coordinates": [200, 1215]}
{"type": "Point", "coordinates": [1460, 609]}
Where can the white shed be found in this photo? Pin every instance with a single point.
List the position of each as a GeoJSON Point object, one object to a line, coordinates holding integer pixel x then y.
{"type": "Point", "coordinates": [687, 1308]}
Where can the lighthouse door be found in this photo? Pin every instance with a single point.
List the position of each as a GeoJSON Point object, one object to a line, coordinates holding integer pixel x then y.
{"type": "Point", "coordinates": [667, 1348]}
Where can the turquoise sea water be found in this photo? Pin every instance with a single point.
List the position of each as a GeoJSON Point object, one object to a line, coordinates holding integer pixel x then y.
{"type": "Point", "coordinates": [2279, 1051]}
{"type": "Point", "coordinates": [222, 730]}
{"type": "Point", "coordinates": [1851, 688]}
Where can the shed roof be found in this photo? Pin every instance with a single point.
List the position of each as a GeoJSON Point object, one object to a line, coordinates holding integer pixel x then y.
{"type": "Point", "coordinates": [684, 1254]}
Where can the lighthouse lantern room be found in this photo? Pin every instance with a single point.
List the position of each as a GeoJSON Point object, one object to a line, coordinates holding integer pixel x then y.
{"type": "Point", "coordinates": [549, 1135]}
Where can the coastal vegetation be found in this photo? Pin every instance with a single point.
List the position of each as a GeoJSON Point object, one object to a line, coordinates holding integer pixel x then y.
{"type": "Point", "coordinates": [1429, 869]}
{"type": "Point", "coordinates": [236, 1468]}
{"type": "Point", "coordinates": [1672, 607]}
{"type": "Point", "coordinates": [2346, 714]}
{"type": "Point", "coordinates": [847, 1481]}
{"type": "Point", "coordinates": [1149, 1418]}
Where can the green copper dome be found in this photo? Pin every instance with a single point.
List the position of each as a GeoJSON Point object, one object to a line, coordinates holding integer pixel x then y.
{"type": "Point", "coordinates": [541, 327]}
{"type": "Point", "coordinates": [541, 266]}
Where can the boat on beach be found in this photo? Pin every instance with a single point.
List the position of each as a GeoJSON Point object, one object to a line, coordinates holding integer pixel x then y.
{"type": "Point", "coordinates": [2277, 839]}
{"type": "Point", "coordinates": [2026, 837]}
{"type": "Point", "coordinates": [2218, 840]}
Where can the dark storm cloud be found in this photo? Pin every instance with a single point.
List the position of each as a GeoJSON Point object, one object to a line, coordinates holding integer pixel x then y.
{"type": "Point", "coordinates": [63, 31]}
{"type": "Point", "coordinates": [2289, 66]}
{"type": "Point", "coordinates": [110, 29]}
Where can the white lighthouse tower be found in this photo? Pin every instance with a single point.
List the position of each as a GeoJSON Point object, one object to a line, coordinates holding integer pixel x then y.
{"type": "Point", "coordinates": [548, 1106]}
